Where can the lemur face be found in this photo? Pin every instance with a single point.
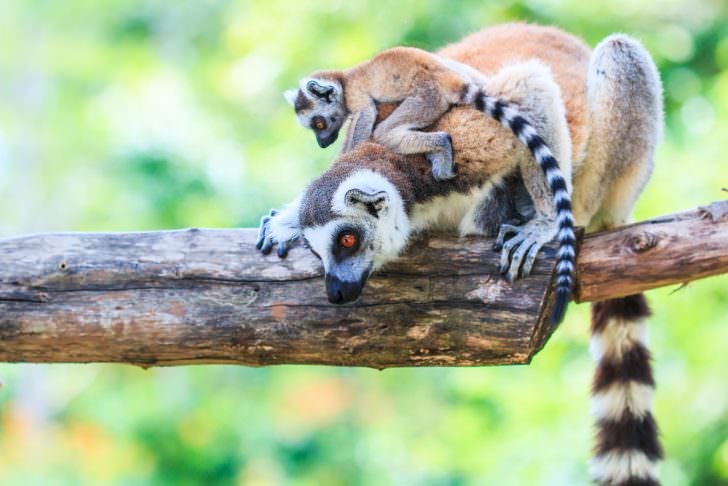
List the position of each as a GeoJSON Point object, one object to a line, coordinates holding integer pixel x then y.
{"type": "Point", "coordinates": [367, 229]}
{"type": "Point", "coordinates": [319, 105]}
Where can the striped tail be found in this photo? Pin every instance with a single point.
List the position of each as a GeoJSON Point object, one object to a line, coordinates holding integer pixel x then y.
{"type": "Point", "coordinates": [509, 116]}
{"type": "Point", "coordinates": [628, 448]}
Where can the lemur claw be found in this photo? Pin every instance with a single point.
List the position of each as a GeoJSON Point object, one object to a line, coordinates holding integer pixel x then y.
{"type": "Point", "coordinates": [441, 166]}
{"type": "Point", "coordinates": [519, 253]}
{"type": "Point", "coordinates": [442, 161]}
{"type": "Point", "coordinates": [266, 238]}
{"type": "Point", "coordinates": [262, 230]}
{"type": "Point", "coordinates": [505, 229]}
{"type": "Point", "coordinates": [265, 242]}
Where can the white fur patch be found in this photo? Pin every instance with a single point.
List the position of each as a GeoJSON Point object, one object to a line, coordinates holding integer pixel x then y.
{"type": "Point", "coordinates": [564, 217]}
{"type": "Point", "coordinates": [393, 227]}
{"type": "Point", "coordinates": [527, 132]}
{"type": "Point", "coordinates": [285, 225]}
{"type": "Point", "coordinates": [553, 175]}
{"type": "Point", "coordinates": [541, 152]}
{"type": "Point", "coordinates": [616, 338]}
{"type": "Point", "coordinates": [453, 211]}
{"type": "Point", "coordinates": [561, 195]}
{"type": "Point", "coordinates": [620, 396]}
{"type": "Point", "coordinates": [509, 113]}
{"type": "Point", "coordinates": [320, 238]}
{"type": "Point", "coordinates": [616, 467]}
{"type": "Point", "coordinates": [566, 251]}
{"type": "Point", "coordinates": [564, 265]}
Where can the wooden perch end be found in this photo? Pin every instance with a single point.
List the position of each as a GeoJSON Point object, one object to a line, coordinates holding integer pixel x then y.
{"type": "Point", "coordinates": [207, 296]}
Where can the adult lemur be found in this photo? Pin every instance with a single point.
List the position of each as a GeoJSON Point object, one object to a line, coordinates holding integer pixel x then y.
{"type": "Point", "coordinates": [361, 212]}
{"type": "Point", "coordinates": [426, 85]}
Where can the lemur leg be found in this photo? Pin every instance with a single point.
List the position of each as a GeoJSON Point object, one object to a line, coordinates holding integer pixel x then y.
{"type": "Point", "coordinates": [506, 203]}
{"type": "Point", "coordinates": [531, 87]}
{"type": "Point", "coordinates": [280, 228]}
{"type": "Point", "coordinates": [625, 102]}
{"type": "Point", "coordinates": [625, 123]}
{"type": "Point", "coordinates": [398, 132]}
{"type": "Point", "coordinates": [361, 127]}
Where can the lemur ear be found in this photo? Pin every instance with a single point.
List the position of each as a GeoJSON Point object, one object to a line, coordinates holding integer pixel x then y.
{"type": "Point", "coordinates": [290, 95]}
{"type": "Point", "coordinates": [373, 202]}
{"type": "Point", "coordinates": [319, 90]}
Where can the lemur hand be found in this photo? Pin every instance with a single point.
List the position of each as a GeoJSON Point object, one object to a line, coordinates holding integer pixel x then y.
{"type": "Point", "coordinates": [277, 229]}
{"type": "Point", "coordinates": [526, 243]}
{"type": "Point", "coordinates": [441, 159]}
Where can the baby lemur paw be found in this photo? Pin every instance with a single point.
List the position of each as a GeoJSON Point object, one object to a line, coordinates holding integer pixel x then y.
{"type": "Point", "coordinates": [442, 159]}
{"type": "Point", "coordinates": [518, 253]}
{"type": "Point", "coordinates": [274, 232]}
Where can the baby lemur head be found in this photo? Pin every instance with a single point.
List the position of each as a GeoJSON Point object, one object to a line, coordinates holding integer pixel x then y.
{"type": "Point", "coordinates": [353, 218]}
{"type": "Point", "coordinates": [319, 104]}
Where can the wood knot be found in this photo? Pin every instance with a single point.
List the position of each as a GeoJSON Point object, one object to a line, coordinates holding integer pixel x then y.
{"type": "Point", "coordinates": [642, 242]}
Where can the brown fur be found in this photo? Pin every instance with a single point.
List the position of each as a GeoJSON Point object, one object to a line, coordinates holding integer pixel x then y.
{"type": "Point", "coordinates": [483, 149]}
{"type": "Point", "coordinates": [393, 75]}
{"type": "Point", "coordinates": [568, 57]}
{"type": "Point", "coordinates": [409, 173]}
{"type": "Point", "coordinates": [424, 86]}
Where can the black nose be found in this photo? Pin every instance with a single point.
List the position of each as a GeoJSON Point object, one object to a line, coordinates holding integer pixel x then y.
{"type": "Point", "coordinates": [326, 141]}
{"type": "Point", "coordinates": [341, 292]}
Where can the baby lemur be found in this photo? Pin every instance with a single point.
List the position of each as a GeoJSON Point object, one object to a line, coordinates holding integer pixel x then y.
{"type": "Point", "coordinates": [601, 111]}
{"type": "Point", "coordinates": [427, 86]}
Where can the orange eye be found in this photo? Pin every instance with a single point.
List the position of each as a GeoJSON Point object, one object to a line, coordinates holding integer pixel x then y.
{"type": "Point", "coordinates": [320, 125]}
{"type": "Point", "coordinates": [347, 239]}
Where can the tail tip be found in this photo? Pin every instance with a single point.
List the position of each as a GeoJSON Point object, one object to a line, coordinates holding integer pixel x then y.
{"type": "Point", "coordinates": [560, 305]}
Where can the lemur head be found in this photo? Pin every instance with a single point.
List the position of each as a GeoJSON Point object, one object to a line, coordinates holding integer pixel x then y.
{"type": "Point", "coordinates": [355, 222]}
{"type": "Point", "coordinates": [319, 104]}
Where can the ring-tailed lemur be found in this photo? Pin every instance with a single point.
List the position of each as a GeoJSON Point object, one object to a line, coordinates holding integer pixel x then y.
{"type": "Point", "coordinates": [427, 85]}
{"type": "Point", "coordinates": [362, 211]}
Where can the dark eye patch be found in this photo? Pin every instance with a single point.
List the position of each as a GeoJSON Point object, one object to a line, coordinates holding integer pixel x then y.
{"type": "Point", "coordinates": [302, 102]}
{"type": "Point", "coordinates": [318, 123]}
{"type": "Point", "coordinates": [346, 234]}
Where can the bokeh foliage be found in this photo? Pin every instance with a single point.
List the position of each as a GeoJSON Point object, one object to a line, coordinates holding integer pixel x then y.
{"type": "Point", "coordinates": [150, 114]}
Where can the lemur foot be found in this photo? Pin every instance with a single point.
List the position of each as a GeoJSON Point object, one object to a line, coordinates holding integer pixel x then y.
{"type": "Point", "coordinates": [518, 253]}
{"type": "Point", "coordinates": [267, 237]}
{"type": "Point", "coordinates": [441, 159]}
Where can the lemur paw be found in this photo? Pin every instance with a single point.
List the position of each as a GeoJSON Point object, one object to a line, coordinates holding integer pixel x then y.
{"type": "Point", "coordinates": [518, 253]}
{"type": "Point", "coordinates": [270, 234]}
{"type": "Point", "coordinates": [442, 160]}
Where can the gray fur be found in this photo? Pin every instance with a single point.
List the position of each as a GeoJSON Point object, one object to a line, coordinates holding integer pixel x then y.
{"type": "Point", "coordinates": [320, 97]}
{"type": "Point", "coordinates": [625, 105]}
{"type": "Point", "coordinates": [507, 203]}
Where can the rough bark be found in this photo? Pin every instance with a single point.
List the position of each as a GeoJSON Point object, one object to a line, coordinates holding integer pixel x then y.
{"type": "Point", "coordinates": [671, 249]}
{"type": "Point", "coordinates": [206, 296]}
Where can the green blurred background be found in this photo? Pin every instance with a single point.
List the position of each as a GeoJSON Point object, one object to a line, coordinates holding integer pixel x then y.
{"type": "Point", "coordinates": [139, 115]}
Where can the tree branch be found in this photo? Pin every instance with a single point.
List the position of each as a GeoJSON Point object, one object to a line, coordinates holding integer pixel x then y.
{"type": "Point", "coordinates": [206, 296]}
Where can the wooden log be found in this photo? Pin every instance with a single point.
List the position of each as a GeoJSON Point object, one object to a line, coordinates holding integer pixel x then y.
{"type": "Point", "coordinates": [671, 249]}
{"type": "Point", "coordinates": [206, 296]}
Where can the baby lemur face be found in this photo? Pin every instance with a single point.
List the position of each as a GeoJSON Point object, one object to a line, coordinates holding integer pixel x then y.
{"type": "Point", "coordinates": [364, 227]}
{"type": "Point", "coordinates": [319, 105]}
